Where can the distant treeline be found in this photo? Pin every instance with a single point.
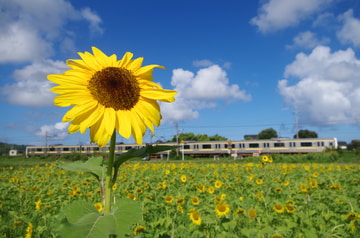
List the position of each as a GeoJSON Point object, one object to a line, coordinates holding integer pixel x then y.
{"type": "Point", "coordinates": [5, 148]}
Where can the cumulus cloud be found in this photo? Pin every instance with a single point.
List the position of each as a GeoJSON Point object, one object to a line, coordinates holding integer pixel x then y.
{"type": "Point", "coordinates": [199, 91]}
{"type": "Point", "coordinates": [93, 19]}
{"type": "Point", "coordinates": [307, 40]}
{"type": "Point", "coordinates": [327, 87]}
{"type": "Point", "coordinates": [53, 132]}
{"type": "Point", "coordinates": [31, 87]}
{"type": "Point", "coordinates": [29, 28]}
{"type": "Point", "coordinates": [350, 31]}
{"type": "Point", "coordinates": [280, 14]}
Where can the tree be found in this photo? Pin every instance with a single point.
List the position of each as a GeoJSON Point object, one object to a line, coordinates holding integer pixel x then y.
{"type": "Point", "coordinates": [199, 137]}
{"type": "Point", "coordinates": [307, 134]}
{"type": "Point", "coordinates": [267, 134]}
{"type": "Point", "coordinates": [216, 137]}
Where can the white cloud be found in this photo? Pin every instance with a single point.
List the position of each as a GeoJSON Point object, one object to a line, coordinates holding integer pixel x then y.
{"type": "Point", "coordinates": [328, 88]}
{"type": "Point", "coordinates": [279, 14]}
{"type": "Point", "coordinates": [93, 19]}
{"type": "Point", "coordinates": [307, 40]}
{"type": "Point", "coordinates": [32, 87]}
{"type": "Point", "coordinates": [19, 43]}
{"type": "Point", "coordinates": [53, 132]}
{"type": "Point", "coordinates": [29, 29]}
{"type": "Point", "coordinates": [200, 91]}
{"type": "Point", "coordinates": [350, 31]}
{"type": "Point", "coordinates": [202, 63]}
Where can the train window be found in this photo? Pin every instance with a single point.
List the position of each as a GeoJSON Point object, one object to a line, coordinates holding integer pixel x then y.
{"type": "Point", "coordinates": [196, 146]}
{"type": "Point", "coordinates": [206, 146]}
{"type": "Point", "coordinates": [128, 147]}
{"type": "Point", "coordinates": [254, 145]}
{"type": "Point", "coordinates": [66, 149]}
{"type": "Point", "coordinates": [322, 143]}
{"type": "Point", "coordinates": [39, 149]}
{"type": "Point", "coordinates": [52, 149]}
{"type": "Point", "coordinates": [279, 144]}
{"type": "Point", "coordinates": [306, 144]}
{"type": "Point", "coordinates": [186, 147]}
{"type": "Point", "coordinates": [331, 144]}
{"type": "Point", "coordinates": [96, 149]}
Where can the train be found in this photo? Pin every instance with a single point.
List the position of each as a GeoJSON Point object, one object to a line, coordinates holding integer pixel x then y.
{"type": "Point", "coordinates": [195, 149]}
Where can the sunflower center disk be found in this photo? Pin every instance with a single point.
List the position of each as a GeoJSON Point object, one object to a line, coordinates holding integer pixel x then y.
{"type": "Point", "coordinates": [115, 87]}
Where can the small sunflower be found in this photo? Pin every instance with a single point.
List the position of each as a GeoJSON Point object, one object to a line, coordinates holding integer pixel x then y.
{"type": "Point", "coordinates": [222, 209]}
{"type": "Point", "coordinates": [109, 94]}
{"type": "Point", "coordinates": [290, 209]}
{"type": "Point", "coordinates": [252, 213]}
{"type": "Point", "coordinates": [195, 217]}
{"type": "Point", "coordinates": [278, 208]}
{"type": "Point", "coordinates": [264, 158]}
{"type": "Point", "coordinates": [169, 199]}
{"type": "Point", "coordinates": [29, 230]}
{"type": "Point", "coordinates": [195, 200]}
{"type": "Point", "coordinates": [183, 178]}
{"type": "Point", "coordinates": [138, 230]}
{"type": "Point", "coordinates": [240, 211]}
{"type": "Point", "coordinates": [98, 206]}
{"type": "Point", "coordinates": [218, 184]}
{"type": "Point", "coordinates": [259, 181]}
{"type": "Point", "coordinates": [38, 205]}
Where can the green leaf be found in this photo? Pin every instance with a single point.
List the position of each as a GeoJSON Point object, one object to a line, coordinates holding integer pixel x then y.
{"type": "Point", "coordinates": [81, 219]}
{"type": "Point", "coordinates": [127, 212]}
{"type": "Point", "coordinates": [93, 166]}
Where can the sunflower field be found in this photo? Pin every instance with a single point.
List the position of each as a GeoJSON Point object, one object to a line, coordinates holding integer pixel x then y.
{"type": "Point", "coordinates": [260, 198]}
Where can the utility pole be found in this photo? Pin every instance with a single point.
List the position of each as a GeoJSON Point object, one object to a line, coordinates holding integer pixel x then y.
{"type": "Point", "coordinates": [296, 124]}
{"type": "Point", "coordinates": [46, 143]}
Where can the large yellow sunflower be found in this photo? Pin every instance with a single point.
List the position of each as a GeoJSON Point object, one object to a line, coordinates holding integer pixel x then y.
{"type": "Point", "coordinates": [108, 94]}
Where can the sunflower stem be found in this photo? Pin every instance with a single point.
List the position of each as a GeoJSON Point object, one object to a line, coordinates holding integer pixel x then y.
{"type": "Point", "coordinates": [108, 182]}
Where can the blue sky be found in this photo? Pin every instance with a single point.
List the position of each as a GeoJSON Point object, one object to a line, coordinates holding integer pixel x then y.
{"type": "Point", "coordinates": [239, 66]}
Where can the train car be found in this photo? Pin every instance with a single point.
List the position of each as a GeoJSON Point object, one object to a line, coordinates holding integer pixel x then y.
{"type": "Point", "coordinates": [204, 148]}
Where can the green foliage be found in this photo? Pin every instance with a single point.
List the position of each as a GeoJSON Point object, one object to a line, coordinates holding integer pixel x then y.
{"type": "Point", "coordinates": [267, 134]}
{"type": "Point", "coordinates": [93, 166]}
{"type": "Point", "coordinates": [200, 137]}
{"type": "Point", "coordinates": [74, 156]}
{"type": "Point", "coordinates": [354, 145]}
{"type": "Point", "coordinates": [5, 148]}
{"type": "Point", "coordinates": [327, 207]}
{"type": "Point", "coordinates": [81, 219]}
{"type": "Point", "coordinates": [306, 134]}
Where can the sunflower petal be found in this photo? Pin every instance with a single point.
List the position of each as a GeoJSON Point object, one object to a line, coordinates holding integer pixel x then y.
{"type": "Point", "coordinates": [102, 58]}
{"type": "Point", "coordinates": [123, 124]}
{"type": "Point", "coordinates": [126, 59]}
{"type": "Point", "coordinates": [135, 64]}
{"type": "Point", "coordinates": [80, 109]}
{"type": "Point", "coordinates": [138, 128]}
{"type": "Point", "coordinates": [98, 134]}
{"type": "Point", "coordinates": [159, 94]}
{"type": "Point", "coordinates": [146, 71]}
{"type": "Point", "coordinates": [109, 120]}
{"type": "Point", "coordinates": [89, 118]}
